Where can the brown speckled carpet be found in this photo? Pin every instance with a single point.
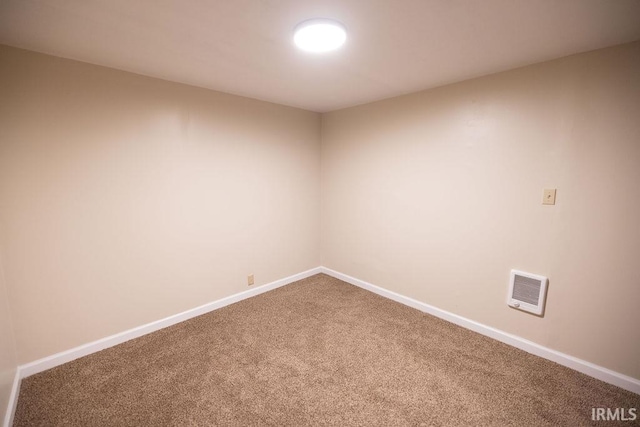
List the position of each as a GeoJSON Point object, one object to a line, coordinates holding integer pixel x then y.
{"type": "Point", "coordinates": [316, 352]}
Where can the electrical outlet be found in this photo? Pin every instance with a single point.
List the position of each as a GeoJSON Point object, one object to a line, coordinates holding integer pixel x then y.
{"type": "Point", "coordinates": [250, 280]}
{"type": "Point", "coordinates": [549, 197]}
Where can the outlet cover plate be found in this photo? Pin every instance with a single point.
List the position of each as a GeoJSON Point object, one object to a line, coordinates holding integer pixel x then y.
{"type": "Point", "coordinates": [549, 197]}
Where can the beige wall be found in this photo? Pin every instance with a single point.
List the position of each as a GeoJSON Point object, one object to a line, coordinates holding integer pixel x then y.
{"type": "Point", "coordinates": [8, 362]}
{"type": "Point", "coordinates": [437, 195]}
{"type": "Point", "coordinates": [125, 199]}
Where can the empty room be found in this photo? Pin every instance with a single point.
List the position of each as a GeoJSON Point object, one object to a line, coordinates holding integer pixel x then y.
{"type": "Point", "coordinates": [341, 212]}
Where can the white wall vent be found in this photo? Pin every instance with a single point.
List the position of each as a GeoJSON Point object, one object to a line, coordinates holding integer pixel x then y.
{"type": "Point", "coordinates": [527, 292]}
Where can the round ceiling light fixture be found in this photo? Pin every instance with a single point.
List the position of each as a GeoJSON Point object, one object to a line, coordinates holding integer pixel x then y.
{"type": "Point", "coordinates": [320, 35]}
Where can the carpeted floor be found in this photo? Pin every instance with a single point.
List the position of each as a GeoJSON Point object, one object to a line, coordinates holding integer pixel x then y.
{"type": "Point", "coordinates": [316, 352]}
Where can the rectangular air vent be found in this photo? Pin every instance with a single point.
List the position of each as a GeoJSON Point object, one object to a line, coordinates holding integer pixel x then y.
{"type": "Point", "coordinates": [527, 292]}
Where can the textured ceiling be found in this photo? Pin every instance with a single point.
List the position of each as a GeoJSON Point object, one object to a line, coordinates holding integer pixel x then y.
{"type": "Point", "coordinates": [245, 47]}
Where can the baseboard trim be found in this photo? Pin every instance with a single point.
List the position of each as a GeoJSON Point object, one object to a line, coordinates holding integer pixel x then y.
{"type": "Point", "coordinates": [58, 359]}
{"type": "Point", "coordinates": [588, 368]}
{"type": "Point", "coordinates": [13, 400]}
{"type": "Point", "coordinates": [623, 381]}
{"type": "Point", "coordinates": [101, 344]}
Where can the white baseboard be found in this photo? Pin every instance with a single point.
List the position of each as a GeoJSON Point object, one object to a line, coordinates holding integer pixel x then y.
{"type": "Point", "coordinates": [603, 374]}
{"type": "Point", "coordinates": [588, 368]}
{"type": "Point", "coordinates": [54, 360]}
{"type": "Point", "coordinates": [57, 359]}
{"type": "Point", "coordinates": [13, 400]}
{"type": "Point", "coordinates": [92, 347]}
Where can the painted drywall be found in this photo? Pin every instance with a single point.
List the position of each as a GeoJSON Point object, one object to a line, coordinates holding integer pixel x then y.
{"type": "Point", "coordinates": [125, 199]}
{"type": "Point", "coordinates": [8, 363]}
{"type": "Point", "coordinates": [437, 195]}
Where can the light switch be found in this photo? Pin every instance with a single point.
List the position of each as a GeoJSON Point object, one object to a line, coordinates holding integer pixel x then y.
{"type": "Point", "coordinates": [549, 197]}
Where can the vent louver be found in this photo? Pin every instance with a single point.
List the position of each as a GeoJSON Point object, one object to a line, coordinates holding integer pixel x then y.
{"type": "Point", "coordinates": [527, 292]}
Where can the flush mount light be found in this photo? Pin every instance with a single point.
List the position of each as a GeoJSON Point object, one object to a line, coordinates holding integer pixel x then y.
{"type": "Point", "coordinates": [320, 35]}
